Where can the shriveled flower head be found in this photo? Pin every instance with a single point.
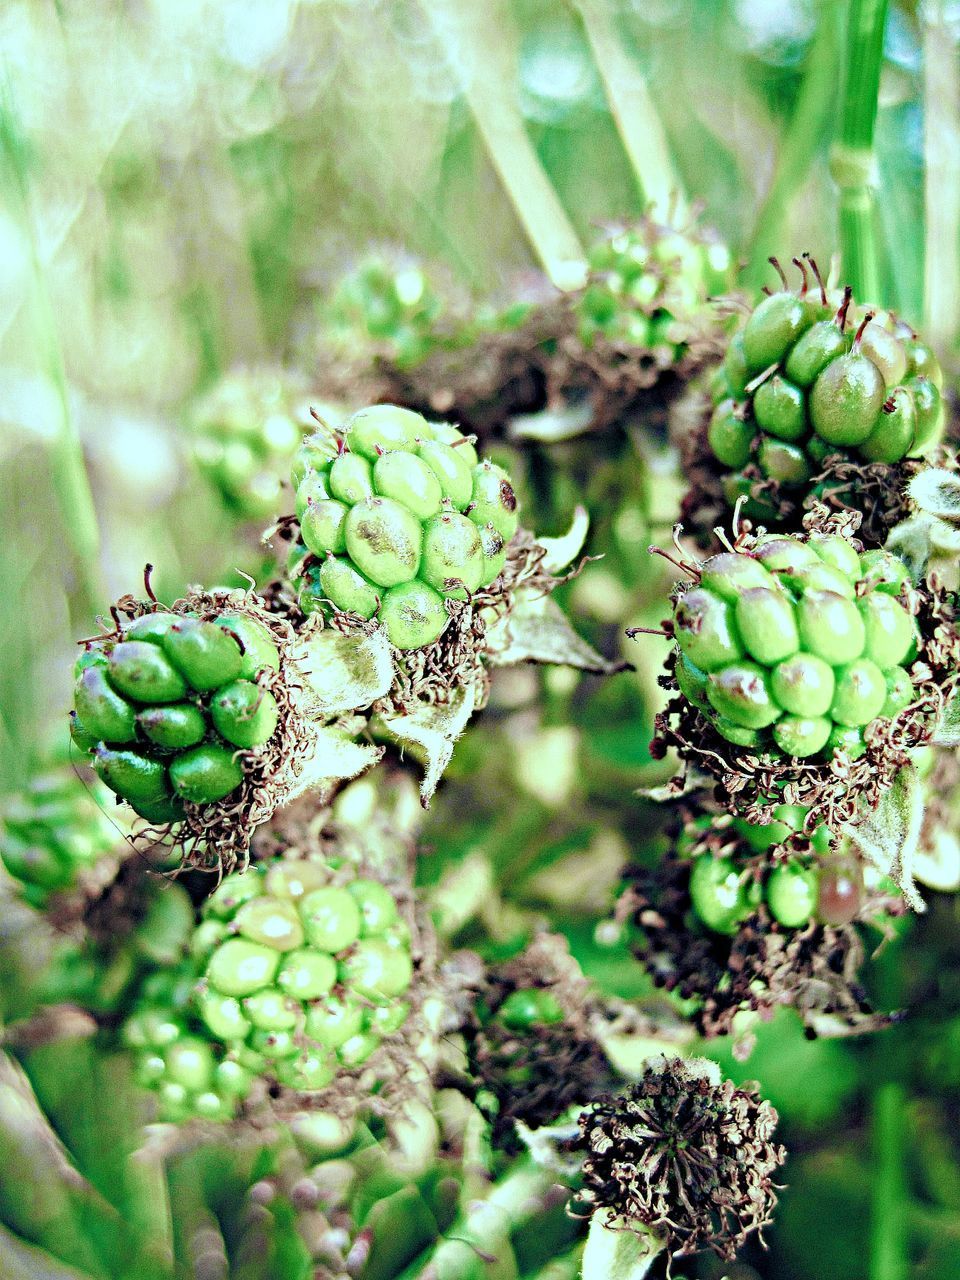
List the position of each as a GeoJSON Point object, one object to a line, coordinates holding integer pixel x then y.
{"type": "Point", "coordinates": [684, 1154]}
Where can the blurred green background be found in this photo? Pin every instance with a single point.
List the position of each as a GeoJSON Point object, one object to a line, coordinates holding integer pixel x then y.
{"type": "Point", "coordinates": [182, 182]}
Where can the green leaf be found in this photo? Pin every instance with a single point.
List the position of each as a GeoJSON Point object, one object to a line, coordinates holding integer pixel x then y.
{"type": "Point", "coordinates": [563, 550]}
{"type": "Point", "coordinates": [537, 630]}
{"type": "Point", "coordinates": [936, 492]}
{"type": "Point", "coordinates": [889, 836]}
{"type": "Point", "coordinates": [617, 1252]}
{"type": "Point", "coordinates": [343, 673]}
{"type": "Point", "coordinates": [910, 540]}
{"type": "Point", "coordinates": [431, 731]}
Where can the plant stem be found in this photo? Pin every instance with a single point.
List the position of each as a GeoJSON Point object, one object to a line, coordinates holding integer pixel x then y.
{"type": "Point", "coordinates": [807, 127]}
{"type": "Point", "coordinates": [941, 128]}
{"type": "Point", "coordinates": [487, 1224]}
{"type": "Point", "coordinates": [887, 1245]}
{"type": "Point", "coordinates": [852, 156]}
{"type": "Point", "coordinates": [68, 470]}
{"type": "Point", "coordinates": [480, 39]}
{"type": "Point", "coordinates": [634, 114]}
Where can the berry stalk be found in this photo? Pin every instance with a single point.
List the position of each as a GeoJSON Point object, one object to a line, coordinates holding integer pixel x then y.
{"type": "Point", "coordinates": [479, 39]}
{"type": "Point", "coordinates": [941, 123]}
{"type": "Point", "coordinates": [888, 1259]}
{"type": "Point", "coordinates": [852, 156]}
{"type": "Point", "coordinates": [635, 115]}
{"type": "Point", "coordinates": [68, 471]}
{"type": "Point", "coordinates": [808, 124]}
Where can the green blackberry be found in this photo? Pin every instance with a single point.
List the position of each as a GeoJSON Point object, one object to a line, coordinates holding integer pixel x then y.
{"type": "Point", "coordinates": [795, 647]}
{"type": "Point", "coordinates": [386, 303]}
{"type": "Point", "coordinates": [305, 966]}
{"type": "Point", "coordinates": [813, 392]}
{"type": "Point", "coordinates": [398, 516]}
{"type": "Point", "coordinates": [53, 830]}
{"type": "Point", "coordinates": [246, 431]}
{"type": "Point", "coordinates": [648, 287]}
{"type": "Point", "coordinates": [166, 703]}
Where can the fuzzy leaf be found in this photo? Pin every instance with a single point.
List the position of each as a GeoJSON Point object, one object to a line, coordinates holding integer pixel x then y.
{"type": "Point", "coordinates": [550, 425]}
{"type": "Point", "coordinates": [889, 836]}
{"type": "Point", "coordinates": [537, 630]}
{"type": "Point", "coordinates": [334, 756]}
{"type": "Point", "coordinates": [945, 537]}
{"type": "Point", "coordinates": [563, 550]}
{"type": "Point", "coordinates": [936, 492]}
{"type": "Point", "coordinates": [431, 731]}
{"type": "Point", "coordinates": [624, 1254]}
{"type": "Point", "coordinates": [911, 540]}
{"type": "Point", "coordinates": [948, 728]}
{"type": "Point", "coordinates": [344, 673]}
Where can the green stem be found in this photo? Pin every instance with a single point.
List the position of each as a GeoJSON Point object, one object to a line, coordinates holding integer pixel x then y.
{"type": "Point", "coordinates": [634, 114]}
{"type": "Point", "coordinates": [888, 1259]}
{"type": "Point", "coordinates": [941, 127]}
{"type": "Point", "coordinates": [481, 39]}
{"type": "Point", "coordinates": [803, 137]}
{"type": "Point", "coordinates": [487, 1225]}
{"type": "Point", "coordinates": [852, 156]}
{"type": "Point", "coordinates": [68, 470]}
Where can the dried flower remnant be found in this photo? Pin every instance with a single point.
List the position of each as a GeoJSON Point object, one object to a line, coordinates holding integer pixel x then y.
{"type": "Point", "coordinates": [686, 1155]}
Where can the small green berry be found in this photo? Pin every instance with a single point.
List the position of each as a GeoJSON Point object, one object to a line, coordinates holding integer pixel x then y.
{"type": "Point", "coordinates": [413, 614]}
{"type": "Point", "coordinates": [203, 653]}
{"type": "Point", "coordinates": [244, 714]}
{"type": "Point", "coordinates": [205, 774]}
{"type": "Point", "coordinates": [383, 540]}
{"type": "Point", "coordinates": [791, 893]}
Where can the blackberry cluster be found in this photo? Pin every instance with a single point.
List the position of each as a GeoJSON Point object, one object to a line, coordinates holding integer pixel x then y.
{"type": "Point", "coordinates": [165, 703]}
{"type": "Point", "coordinates": [303, 968]}
{"type": "Point", "coordinates": [246, 431]}
{"type": "Point", "coordinates": [53, 830]}
{"type": "Point", "coordinates": [808, 379]}
{"type": "Point", "coordinates": [398, 515]}
{"type": "Point", "coordinates": [795, 646]}
{"type": "Point", "coordinates": [647, 284]}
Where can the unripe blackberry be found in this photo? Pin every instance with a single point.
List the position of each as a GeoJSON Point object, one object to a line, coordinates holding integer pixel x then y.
{"type": "Point", "coordinates": [398, 515]}
{"type": "Point", "coordinates": [648, 287]}
{"type": "Point", "coordinates": [813, 393]}
{"type": "Point", "coordinates": [387, 306]}
{"type": "Point", "coordinates": [247, 430]}
{"type": "Point", "coordinates": [53, 830]}
{"type": "Point", "coordinates": [780, 667]}
{"type": "Point", "coordinates": [192, 1075]}
{"type": "Point", "coordinates": [304, 966]}
{"type": "Point", "coordinates": [808, 670]}
{"type": "Point", "coordinates": [166, 703]}
{"type": "Point", "coordinates": [742, 915]}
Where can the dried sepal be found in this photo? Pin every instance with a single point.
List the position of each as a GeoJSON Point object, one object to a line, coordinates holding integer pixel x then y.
{"type": "Point", "coordinates": [683, 1154]}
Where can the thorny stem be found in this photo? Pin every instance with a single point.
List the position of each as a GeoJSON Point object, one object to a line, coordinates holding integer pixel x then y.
{"type": "Point", "coordinates": [631, 106]}
{"type": "Point", "coordinates": [480, 39]}
{"type": "Point", "coordinates": [852, 155]}
{"type": "Point", "coordinates": [888, 1259]}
